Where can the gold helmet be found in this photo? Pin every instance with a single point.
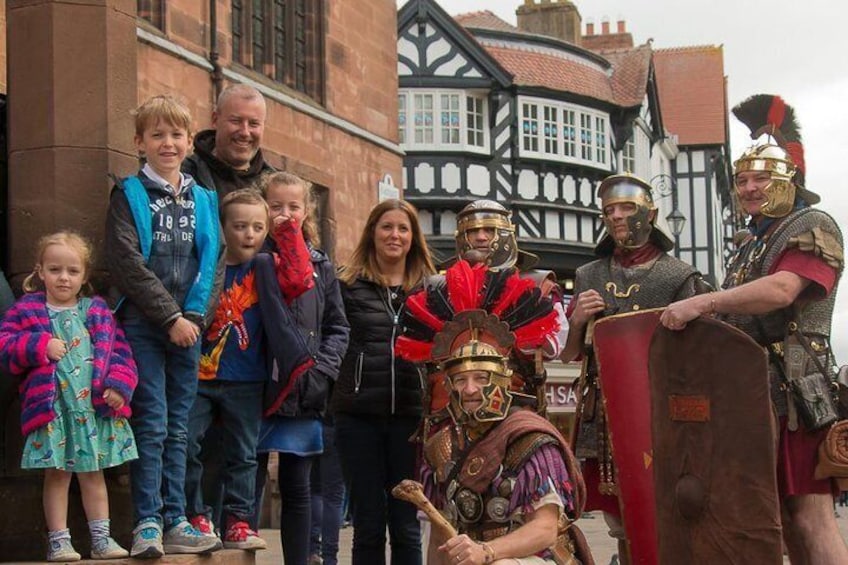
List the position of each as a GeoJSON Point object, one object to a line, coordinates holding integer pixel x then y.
{"type": "Point", "coordinates": [780, 191]}
{"type": "Point", "coordinates": [481, 214]}
{"type": "Point", "coordinates": [626, 187]}
{"type": "Point", "coordinates": [475, 355]}
{"type": "Point", "coordinates": [766, 114]}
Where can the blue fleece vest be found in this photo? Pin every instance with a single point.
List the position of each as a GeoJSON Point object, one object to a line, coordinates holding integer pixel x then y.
{"type": "Point", "coordinates": [206, 236]}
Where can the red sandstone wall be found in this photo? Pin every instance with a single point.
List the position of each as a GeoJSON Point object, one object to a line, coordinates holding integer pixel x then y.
{"type": "Point", "coordinates": [3, 88]}
{"type": "Point", "coordinates": [360, 87]}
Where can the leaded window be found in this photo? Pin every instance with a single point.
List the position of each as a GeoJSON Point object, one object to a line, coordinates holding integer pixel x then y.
{"type": "Point", "coordinates": [442, 119]}
{"type": "Point", "coordinates": [550, 129]}
{"type": "Point", "coordinates": [474, 121]}
{"type": "Point", "coordinates": [628, 156]}
{"type": "Point", "coordinates": [401, 118]}
{"type": "Point", "coordinates": [423, 118]}
{"type": "Point", "coordinates": [561, 131]}
{"type": "Point", "coordinates": [449, 117]}
{"type": "Point", "coordinates": [282, 39]}
{"type": "Point", "coordinates": [530, 126]}
{"type": "Point", "coordinates": [152, 11]}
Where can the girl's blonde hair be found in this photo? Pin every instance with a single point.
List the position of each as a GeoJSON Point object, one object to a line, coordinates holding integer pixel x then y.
{"type": "Point", "coordinates": [72, 239]}
{"type": "Point", "coordinates": [363, 261]}
{"type": "Point", "coordinates": [310, 224]}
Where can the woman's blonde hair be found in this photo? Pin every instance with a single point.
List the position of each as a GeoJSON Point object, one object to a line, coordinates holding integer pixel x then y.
{"type": "Point", "coordinates": [310, 223]}
{"type": "Point", "coordinates": [72, 239]}
{"type": "Point", "coordinates": [363, 261]}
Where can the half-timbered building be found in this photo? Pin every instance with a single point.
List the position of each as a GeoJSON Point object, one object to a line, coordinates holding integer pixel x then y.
{"type": "Point", "coordinates": [533, 116]}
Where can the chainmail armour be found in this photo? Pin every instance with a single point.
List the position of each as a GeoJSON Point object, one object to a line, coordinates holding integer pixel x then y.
{"type": "Point", "coordinates": [653, 284]}
{"type": "Point", "coordinates": [808, 229]}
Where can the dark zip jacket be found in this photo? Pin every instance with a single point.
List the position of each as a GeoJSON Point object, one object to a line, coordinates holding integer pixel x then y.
{"type": "Point", "coordinates": [372, 381]}
{"type": "Point", "coordinates": [217, 175]}
{"type": "Point", "coordinates": [320, 317]}
{"type": "Point", "coordinates": [155, 265]}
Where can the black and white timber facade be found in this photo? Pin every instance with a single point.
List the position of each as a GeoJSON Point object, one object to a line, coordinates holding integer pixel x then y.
{"type": "Point", "coordinates": [490, 111]}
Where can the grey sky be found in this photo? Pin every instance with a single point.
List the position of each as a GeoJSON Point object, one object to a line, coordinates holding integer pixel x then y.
{"type": "Point", "coordinates": [784, 47]}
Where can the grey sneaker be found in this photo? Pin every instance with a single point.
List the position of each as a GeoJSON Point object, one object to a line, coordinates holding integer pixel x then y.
{"type": "Point", "coordinates": [147, 540]}
{"type": "Point", "coordinates": [62, 550]}
{"type": "Point", "coordinates": [107, 548]}
{"type": "Point", "coordinates": [183, 538]}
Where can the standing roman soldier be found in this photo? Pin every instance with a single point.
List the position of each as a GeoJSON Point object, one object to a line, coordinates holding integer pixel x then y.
{"type": "Point", "coordinates": [780, 290]}
{"type": "Point", "coordinates": [633, 272]}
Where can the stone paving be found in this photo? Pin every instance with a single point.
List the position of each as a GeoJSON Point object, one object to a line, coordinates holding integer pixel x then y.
{"type": "Point", "coordinates": [592, 524]}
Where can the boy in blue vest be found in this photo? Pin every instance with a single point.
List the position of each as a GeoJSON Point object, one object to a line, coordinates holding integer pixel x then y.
{"type": "Point", "coordinates": [163, 252]}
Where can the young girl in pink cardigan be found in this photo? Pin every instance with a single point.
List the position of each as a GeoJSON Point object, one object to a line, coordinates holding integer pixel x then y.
{"type": "Point", "coordinates": [78, 377]}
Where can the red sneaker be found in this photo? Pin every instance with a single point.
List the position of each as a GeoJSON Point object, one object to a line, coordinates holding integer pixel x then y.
{"type": "Point", "coordinates": [240, 536]}
{"type": "Point", "coordinates": [204, 525]}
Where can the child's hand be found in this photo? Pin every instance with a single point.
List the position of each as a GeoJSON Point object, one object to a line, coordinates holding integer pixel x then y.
{"type": "Point", "coordinates": [56, 349]}
{"type": "Point", "coordinates": [281, 219]}
{"type": "Point", "coordinates": [184, 333]}
{"type": "Point", "coordinates": [113, 399]}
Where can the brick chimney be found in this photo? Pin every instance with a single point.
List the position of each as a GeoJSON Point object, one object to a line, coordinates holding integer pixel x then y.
{"type": "Point", "coordinates": [605, 40]}
{"type": "Point", "coordinates": [554, 18]}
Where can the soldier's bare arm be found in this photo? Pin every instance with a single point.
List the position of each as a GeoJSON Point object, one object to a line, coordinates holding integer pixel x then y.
{"type": "Point", "coordinates": [760, 296]}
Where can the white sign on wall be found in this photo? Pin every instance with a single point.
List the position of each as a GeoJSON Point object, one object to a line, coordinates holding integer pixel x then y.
{"type": "Point", "coordinates": [386, 189]}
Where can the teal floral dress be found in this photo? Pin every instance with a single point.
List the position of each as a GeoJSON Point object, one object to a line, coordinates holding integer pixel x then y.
{"type": "Point", "coordinates": [77, 440]}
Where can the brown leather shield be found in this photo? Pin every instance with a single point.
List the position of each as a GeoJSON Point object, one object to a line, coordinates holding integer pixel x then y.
{"type": "Point", "coordinates": [621, 345]}
{"type": "Point", "coordinates": [714, 447]}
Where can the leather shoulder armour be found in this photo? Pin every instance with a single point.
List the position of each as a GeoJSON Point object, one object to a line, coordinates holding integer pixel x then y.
{"type": "Point", "coordinates": [522, 448]}
{"type": "Point", "coordinates": [438, 450]}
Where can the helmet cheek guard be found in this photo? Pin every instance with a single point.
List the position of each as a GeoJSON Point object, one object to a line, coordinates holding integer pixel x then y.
{"type": "Point", "coordinates": [627, 188]}
{"type": "Point", "coordinates": [496, 398]}
{"type": "Point", "coordinates": [502, 250]}
{"type": "Point", "coordinates": [774, 160]}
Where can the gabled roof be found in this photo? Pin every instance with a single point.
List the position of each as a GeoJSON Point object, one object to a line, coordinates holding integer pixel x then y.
{"type": "Point", "coordinates": [430, 11]}
{"type": "Point", "coordinates": [546, 70]}
{"type": "Point", "coordinates": [618, 76]}
{"type": "Point", "coordinates": [631, 69]}
{"type": "Point", "coordinates": [484, 20]}
{"type": "Point", "coordinates": [691, 85]}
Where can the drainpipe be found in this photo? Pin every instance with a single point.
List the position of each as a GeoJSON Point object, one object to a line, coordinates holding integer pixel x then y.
{"type": "Point", "coordinates": [217, 74]}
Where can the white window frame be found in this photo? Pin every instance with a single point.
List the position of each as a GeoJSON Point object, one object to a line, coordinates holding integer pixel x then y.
{"type": "Point", "coordinates": [576, 135]}
{"type": "Point", "coordinates": [628, 155]}
{"type": "Point", "coordinates": [461, 120]}
{"type": "Point", "coordinates": [475, 106]}
{"type": "Point", "coordinates": [403, 114]}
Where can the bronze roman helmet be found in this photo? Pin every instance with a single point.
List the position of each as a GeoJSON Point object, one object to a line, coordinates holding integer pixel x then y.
{"type": "Point", "coordinates": [626, 187]}
{"type": "Point", "coordinates": [782, 159]}
{"type": "Point", "coordinates": [503, 250]}
{"type": "Point", "coordinates": [475, 355]}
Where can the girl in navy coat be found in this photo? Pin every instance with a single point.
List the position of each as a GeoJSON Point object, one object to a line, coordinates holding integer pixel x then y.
{"type": "Point", "coordinates": [294, 430]}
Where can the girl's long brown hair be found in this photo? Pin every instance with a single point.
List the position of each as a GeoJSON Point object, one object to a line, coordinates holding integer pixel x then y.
{"type": "Point", "coordinates": [363, 261]}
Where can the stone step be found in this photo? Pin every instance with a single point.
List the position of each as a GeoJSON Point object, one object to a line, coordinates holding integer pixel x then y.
{"type": "Point", "coordinates": [222, 557]}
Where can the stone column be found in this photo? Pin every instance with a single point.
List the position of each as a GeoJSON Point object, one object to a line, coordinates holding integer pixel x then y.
{"type": "Point", "coordinates": [71, 84]}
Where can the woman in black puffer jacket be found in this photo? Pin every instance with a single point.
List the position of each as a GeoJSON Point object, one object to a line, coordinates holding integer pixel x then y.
{"type": "Point", "coordinates": [377, 398]}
